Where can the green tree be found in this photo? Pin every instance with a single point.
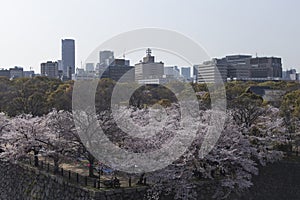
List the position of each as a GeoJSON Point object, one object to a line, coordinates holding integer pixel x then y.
{"type": "Point", "coordinates": [247, 108]}
{"type": "Point", "coordinates": [61, 98]}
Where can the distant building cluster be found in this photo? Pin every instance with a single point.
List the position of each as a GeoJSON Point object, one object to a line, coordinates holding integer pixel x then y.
{"type": "Point", "coordinates": [64, 68]}
{"type": "Point", "coordinates": [16, 72]}
{"type": "Point", "coordinates": [240, 67]}
{"type": "Point", "coordinates": [229, 68]}
{"type": "Point", "coordinates": [149, 71]}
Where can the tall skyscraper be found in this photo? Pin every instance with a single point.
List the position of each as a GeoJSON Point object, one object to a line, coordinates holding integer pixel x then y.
{"type": "Point", "coordinates": [68, 57]}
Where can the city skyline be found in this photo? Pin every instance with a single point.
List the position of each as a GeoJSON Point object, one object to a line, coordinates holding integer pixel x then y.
{"type": "Point", "coordinates": [232, 67]}
{"type": "Point", "coordinates": [31, 36]}
{"type": "Point", "coordinates": [134, 58]}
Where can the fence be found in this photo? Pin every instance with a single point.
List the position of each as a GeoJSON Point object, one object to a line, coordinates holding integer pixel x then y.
{"type": "Point", "coordinates": [76, 178]}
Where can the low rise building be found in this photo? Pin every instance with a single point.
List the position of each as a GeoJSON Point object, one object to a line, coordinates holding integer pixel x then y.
{"type": "Point", "coordinates": [16, 72]}
{"type": "Point", "coordinates": [50, 69]}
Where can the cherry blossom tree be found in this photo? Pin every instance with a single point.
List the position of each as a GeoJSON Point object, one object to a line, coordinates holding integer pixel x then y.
{"type": "Point", "coordinates": [46, 136]}
{"type": "Point", "coordinates": [231, 163]}
{"type": "Point", "coordinates": [4, 123]}
{"type": "Point", "coordinates": [85, 119]}
{"type": "Point", "coordinates": [61, 143]}
{"type": "Point", "coordinates": [23, 137]}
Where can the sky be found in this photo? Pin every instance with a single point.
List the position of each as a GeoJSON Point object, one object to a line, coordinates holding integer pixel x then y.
{"type": "Point", "coordinates": [31, 30]}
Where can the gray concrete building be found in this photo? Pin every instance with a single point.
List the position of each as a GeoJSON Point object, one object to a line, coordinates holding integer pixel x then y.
{"type": "Point", "coordinates": [211, 72]}
{"type": "Point", "coordinates": [243, 67]}
{"type": "Point", "coordinates": [195, 73]}
{"type": "Point", "coordinates": [290, 75]}
{"type": "Point", "coordinates": [148, 68]}
{"type": "Point", "coordinates": [172, 72]}
{"type": "Point", "coordinates": [120, 70]}
{"type": "Point", "coordinates": [186, 73]}
{"type": "Point", "coordinates": [28, 74]}
{"type": "Point", "coordinates": [4, 73]}
{"type": "Point", "coordinates": [265, 67]}
{"type": "Point", "coordinates": [106, 58]}
{"type": "Point", "coordinates": [50, 69]}
{"type": "Point", "coordinates": [16, 72]}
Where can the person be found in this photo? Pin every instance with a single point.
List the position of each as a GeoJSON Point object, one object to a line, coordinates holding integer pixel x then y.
{"type": "Point", "coordinates": [129, 181]}
{"type": "Point", "coordinates": [140, 182]}
{"type": "Point", "coordinates": [116, 182]}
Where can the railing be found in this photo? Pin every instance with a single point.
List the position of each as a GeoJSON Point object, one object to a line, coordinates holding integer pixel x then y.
{"type": "Point", "coordinates": [76, 178]}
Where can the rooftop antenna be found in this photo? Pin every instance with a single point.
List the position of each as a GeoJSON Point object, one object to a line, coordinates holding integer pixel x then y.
{"type": "Point", "coordinates": [148, 52]}
{"type": "Point", "coordinates": [124, 53]}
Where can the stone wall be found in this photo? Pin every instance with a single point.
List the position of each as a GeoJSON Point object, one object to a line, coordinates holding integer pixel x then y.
{"type": "Point", "coordinates": [17, 182]}
{"type": "Point", "coordinates": [276, 181]}
{"type": "Point", "coordinates": [20, 182]}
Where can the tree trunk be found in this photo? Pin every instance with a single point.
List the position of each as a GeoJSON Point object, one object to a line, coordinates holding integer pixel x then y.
{"type": "Point", "coordinates": [91, 166]}
{"type": "Point", "coordinates": [56, 165]}
{"type": "Point", "coordinates": [36, 158]}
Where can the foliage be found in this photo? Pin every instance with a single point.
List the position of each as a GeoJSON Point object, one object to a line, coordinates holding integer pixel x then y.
{"type": "Point", "coordinates": [246, 109]}
{"type": "Point", "coordinates": [37, 121]}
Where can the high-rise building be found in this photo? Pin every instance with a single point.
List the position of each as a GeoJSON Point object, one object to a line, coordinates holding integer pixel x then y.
{"type": "Point", "coordinates": [186, 72]}
{"type": "Point", "coordinates": [68, 57]}
{"type": "Point", "coordinates": [50, 69]}
{"type": "Point", "coordinates": [148, 68]}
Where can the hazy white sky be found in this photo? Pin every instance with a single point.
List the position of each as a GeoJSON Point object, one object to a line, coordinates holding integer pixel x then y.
{"type": "Point", "coordinates": [31, 30]}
